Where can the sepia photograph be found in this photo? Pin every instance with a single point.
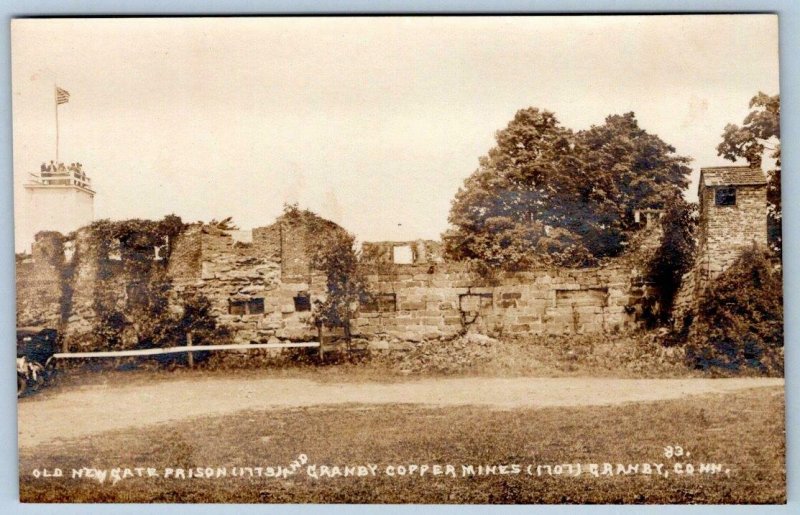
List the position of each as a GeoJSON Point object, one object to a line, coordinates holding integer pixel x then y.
{"type": "Point", "coordinates": [399, 259]}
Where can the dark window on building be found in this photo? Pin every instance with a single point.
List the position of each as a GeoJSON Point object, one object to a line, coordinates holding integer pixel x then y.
{"type": "Point", "coordinates": [246, 306]}
{"type": "Point", "coordinates": [381, 303]}
{"type": "Point", "coordinates": [137, 293]}
{"type": "Point", "coordinates": [237, 307]}
{"type": "Point", "coordinates": [725, 197]}
{"type": "Point", "coordinates": [302, 302]}
{"type": "Point", "coordinates": [255, 306]}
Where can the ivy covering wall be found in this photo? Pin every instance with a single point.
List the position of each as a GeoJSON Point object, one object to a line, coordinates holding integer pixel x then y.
{"type": "Point", "coordinates": [133, 305]}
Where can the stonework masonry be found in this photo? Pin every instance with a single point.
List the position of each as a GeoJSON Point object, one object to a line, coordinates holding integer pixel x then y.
{"type": "Point", "coordinates": [39, 286]}
{"type": "Point", "coordinates": [733, 217]}
{"type": "Point", "coordinates": [250, 291]}
{"type": "Point", "coordinates": [416, 252]}
{"type": "Point", "coordinates": [258, 300]}
{"type": "Point", "coordinates": [424, 302]}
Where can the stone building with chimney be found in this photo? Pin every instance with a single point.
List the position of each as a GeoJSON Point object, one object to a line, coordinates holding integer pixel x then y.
{"type": "Point", "coordinates": [732, 218]}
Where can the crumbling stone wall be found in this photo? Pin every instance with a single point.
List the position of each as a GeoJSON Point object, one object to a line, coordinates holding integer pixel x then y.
{"type": "Point", "coordinates": [80, 291]}
{"type": "Point", "coordinates": [261, 287]}
{"type": "Point", "coordinates": [294, 256]}
{"type": "Point", "coordinates": [60, 290]}
{"type": "Point", "coordinates": [253, 295]}
{"type": "Point", "coordinates": [38, 282]}
{"type": "Point", "coordinates": [250, 290]}
{"type": "Point", "coordinates": [423, 302]}
{"type": "Point", "coordinates": [100, 292]}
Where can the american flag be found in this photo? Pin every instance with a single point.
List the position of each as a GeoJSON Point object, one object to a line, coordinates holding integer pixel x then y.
{"type": "Point", "coordinates": [62, 96]}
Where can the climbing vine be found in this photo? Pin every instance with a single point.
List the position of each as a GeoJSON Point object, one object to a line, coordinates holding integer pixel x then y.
{"type": "Point", "coordinates": [131, 289]}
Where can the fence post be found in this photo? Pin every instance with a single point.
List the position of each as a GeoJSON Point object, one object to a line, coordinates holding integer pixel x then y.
{"type": "Point", "coordinates": [190, 356]}
{"type": "Point", "coordinates": [319, 336]}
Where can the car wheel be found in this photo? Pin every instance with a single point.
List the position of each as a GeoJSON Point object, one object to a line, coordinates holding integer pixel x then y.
{"type": "Point", "coordinates": [21, 384]}
{"type": "Point", "coordinates": [38, 382]}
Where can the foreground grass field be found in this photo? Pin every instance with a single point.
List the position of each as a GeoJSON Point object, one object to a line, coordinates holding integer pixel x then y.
{"type": "Point", "coordinates": [742, 432]}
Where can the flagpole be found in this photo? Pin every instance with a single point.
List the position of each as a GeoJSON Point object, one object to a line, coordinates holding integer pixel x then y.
{"type": "Point", "coordinates": [55, 99]}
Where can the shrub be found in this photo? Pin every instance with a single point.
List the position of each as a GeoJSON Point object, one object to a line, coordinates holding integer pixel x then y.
{"type": "Point", "coordinates": [672, 259]}
{"type": "Point", "coordinates": [739, 322]}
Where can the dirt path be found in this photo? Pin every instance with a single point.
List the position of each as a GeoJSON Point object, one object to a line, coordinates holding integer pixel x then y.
{"type": "Point", "coordinates": [86, 410]}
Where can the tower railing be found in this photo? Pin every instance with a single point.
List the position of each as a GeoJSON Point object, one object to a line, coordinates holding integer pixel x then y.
{"type": "Point", "coordinates": [63, 176]}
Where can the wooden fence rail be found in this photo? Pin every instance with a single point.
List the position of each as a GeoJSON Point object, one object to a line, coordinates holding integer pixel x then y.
{"type": "Point", "coordinates": [187, 348]}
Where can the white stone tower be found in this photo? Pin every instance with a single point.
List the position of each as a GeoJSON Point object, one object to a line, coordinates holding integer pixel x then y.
{"type": "Point", "coordinates": [60, 198]}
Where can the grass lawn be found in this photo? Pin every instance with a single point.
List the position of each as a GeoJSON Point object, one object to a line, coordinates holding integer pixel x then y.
{"type": "Point", "coordinates": [744, 432]}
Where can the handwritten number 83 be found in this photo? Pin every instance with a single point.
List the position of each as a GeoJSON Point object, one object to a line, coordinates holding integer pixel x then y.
{"type": "Point", "coordinates": [675, 451]}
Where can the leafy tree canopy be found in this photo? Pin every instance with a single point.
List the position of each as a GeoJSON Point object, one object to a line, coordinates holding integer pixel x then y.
{"type": "Point", "coordinates": [547, 195]}
{"type": "Point", "coordinates": [759, 132]}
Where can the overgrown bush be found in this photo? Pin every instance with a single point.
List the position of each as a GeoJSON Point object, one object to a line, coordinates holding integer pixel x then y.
{"type": "Point", "coordinates": [739, 323]}
{"type": "Point", "coordinates": [672, 259]}
{"type": "Point", "coordinates": [196, 318]}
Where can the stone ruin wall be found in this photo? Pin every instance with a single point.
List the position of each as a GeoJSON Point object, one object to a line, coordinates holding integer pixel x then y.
{"type": "Point", "coordinates": [203, 260]}
{"type": "Point", "coordinates": [420, 251]}
{"type": "Point", "coordinates": [38, 285]}
{"type": "Point", "coordinates": [428, 299]}
{"type": "Point", "coordinates": [727, 230]}
{"type": "Point", "coordinates": [61, 291]}
{"type": "Point", "coordinates": [431, 301]}
{"type": "Point", "coordinates": [208, 261]}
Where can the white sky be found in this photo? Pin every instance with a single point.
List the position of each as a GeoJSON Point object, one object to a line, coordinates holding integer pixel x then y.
{"type": "Point", "coordinates": [371, 122]}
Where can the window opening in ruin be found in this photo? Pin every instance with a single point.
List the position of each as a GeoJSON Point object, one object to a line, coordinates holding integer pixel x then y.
{"type": "Point", "coordinates": [725, 196]}
{"type": "Point", "coordinates": [160, 252]}
{"type": "Point", "coordinates": [237, 307]}
{"type": "Point", "coordinates": [246, 306]}
{"type": "Point", "coordinates": [115, 250]}
{"type": "Point", "coordinates": [255, 306]}
{"type": "Point", "coordinates": [69, 250]}
{"type": "Point", "coordinates": [302, 302]}
{"type": "Point", "coordinates": [136, 293]}
{"type": "Point", "coordinates": [473, 302]}
{"type": "Point", "coordinates": [381, 303]}
{"type": "Point", "coordinates": [402, 255]}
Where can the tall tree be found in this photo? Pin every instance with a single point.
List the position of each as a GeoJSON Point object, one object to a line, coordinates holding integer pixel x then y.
{"type": "Point", "coordinates": [629, 169]}
{"type": "Point", "coordinates": [501, 212]}
{"type": "Point", "coordinates": [546, 195]}
{"type": "Point", "coordinates": [757, 137]}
